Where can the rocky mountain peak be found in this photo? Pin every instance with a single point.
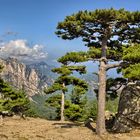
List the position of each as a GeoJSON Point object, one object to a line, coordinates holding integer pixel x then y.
{"type": "Point", "coordinates": [30, 78]}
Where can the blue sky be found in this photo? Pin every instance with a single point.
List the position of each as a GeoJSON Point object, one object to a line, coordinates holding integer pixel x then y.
{"type": "Point", "coordinates": [35, 20]}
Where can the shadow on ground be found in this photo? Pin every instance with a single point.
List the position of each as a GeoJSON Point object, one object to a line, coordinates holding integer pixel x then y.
{"type": "Point", "coordinates": [71, 125]}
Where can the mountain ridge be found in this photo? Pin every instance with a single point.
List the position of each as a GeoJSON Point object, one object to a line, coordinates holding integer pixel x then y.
{"type": "Point", "coordinates": [30, 78]}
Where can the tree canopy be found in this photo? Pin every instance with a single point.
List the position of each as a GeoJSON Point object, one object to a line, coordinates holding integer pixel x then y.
{"type": "Point", "coordinates": [116, 26]}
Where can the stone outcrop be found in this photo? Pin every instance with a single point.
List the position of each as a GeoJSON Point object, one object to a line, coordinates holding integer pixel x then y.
{"type": "Point", "coordinates": [17, 75]}
{"type": "Point", "coordinates": [128, 116]}
{"type": "Point", "coordinates": [23, 76]}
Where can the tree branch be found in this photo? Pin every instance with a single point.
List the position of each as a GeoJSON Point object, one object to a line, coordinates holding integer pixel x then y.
{"type": "Point", "coordinates": [109, 66]}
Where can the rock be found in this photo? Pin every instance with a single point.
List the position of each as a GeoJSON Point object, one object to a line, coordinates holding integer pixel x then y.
{"type": "Point", "coordinates": [128, 116]}
{"type": "Point", "coordinates": [88, 121]}
{"type": "Point", "coordinates": [16, 117]}
{"type": "Point", "coordinates": [5, 113]}
{"type": "Point", "coordinates": [109, 119]}
{"type": "Point", "coordinates": [109, 115]}
{"type": "Point", "coordinates": [27, 77]}
{"type": "Point", "coordinates": [88, 124]}
{"type": "Point", "coordinates": [19, 76]}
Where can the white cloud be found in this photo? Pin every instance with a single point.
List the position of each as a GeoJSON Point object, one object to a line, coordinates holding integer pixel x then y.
{"type": "Point", "coordinates": [21, 50]}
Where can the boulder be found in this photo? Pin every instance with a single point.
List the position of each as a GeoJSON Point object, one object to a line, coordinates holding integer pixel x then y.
{"type": "Point", "coordinates": [128, 116]}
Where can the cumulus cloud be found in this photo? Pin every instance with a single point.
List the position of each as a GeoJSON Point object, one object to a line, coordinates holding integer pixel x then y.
{"type": "Point", "coordinates": [21, 50]}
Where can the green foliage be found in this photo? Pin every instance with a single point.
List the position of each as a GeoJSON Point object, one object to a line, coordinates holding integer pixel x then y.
{"type": "Point", "coordinates": [73, 57]}
{"type": "Point", "coordinates": [76, 95]}
{"type": "Point", "coordinates": [132, 72]}
{"type": "Point", "coordinates": [74, 107]}
{"type": "Point", "coordinates": [99, 16]}
{"type": "Point", "coordinates": [132, 56]}
{"type": "Point", "coordinates": [91, 108]}
{"type": "Point", "coordinates": [118, 26]}
{"type": "Point", "coordinates": [32, 111]}
{"type": "Point", "coordinates": [62, 70]}
{"type": "Point", "coordinates": [78, 108]}
{"type": "Point", "coordinates": [37, 108]}
{"type": "Point", "coordinates": [80, 69]}
{"type": "Point", "coordinates": [54, 103]}
{"type": "Point", "coordinates": [55, 87]}
{"type": "Point", "coordinates": [112, 105]}
{"type": "Point", "coordinates": [73, 112]}
{"type": "Point", "coordinates": [65, 78]}
{"type": "Point", "coordinates": [94, 52]}
{"type": "Point", "coordinates": [12, 100]}
{"type": "Point", "coordinates": [67, 70]}
{"type": "Point", "coordinates": [71, 80]}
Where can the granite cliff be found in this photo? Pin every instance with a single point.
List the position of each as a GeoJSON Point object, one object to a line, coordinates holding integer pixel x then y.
{"type": "Point", "coordinates": [30, 78]}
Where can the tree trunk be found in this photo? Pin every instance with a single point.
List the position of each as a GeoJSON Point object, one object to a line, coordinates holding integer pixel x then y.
{"type": "Point", "coordinates": [100, 126]}
{"type": "Point", "coordinates": [62, 105]}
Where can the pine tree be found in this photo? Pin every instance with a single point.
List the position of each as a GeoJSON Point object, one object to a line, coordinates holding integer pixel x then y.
{"type": "Point", "coordinates": [66, 79]}
{"type": "Point", "coordinates": [11, 100]}
{"type": "Point", "coordinates": [105, 32]}
{"type": "Point", "coordinates": [54, 102]}
{"type": "Point", "coordinates": [75, 109]}
{"type": "Point", "coordinates": [74, 106]}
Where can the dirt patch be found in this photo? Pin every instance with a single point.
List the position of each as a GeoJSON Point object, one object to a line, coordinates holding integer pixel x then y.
{"type": "Point", "coordinates": [40, 129]}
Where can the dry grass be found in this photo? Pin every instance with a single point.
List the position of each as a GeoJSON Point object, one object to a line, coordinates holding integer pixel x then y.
{"type": "Point", "coordinates": [39, 129]}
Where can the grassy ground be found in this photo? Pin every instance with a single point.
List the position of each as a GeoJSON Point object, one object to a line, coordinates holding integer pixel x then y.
{"type": "Point", "coordinates": [40, 129]}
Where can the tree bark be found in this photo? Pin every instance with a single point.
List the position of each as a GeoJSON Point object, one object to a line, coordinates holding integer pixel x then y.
{"type": "Point", "coordinates": [100, 125]}
{"type": "Point", "coordinates": [62, 105]}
